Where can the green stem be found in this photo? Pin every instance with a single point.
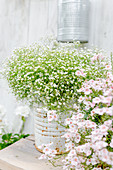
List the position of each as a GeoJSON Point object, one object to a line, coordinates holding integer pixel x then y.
{"type": "Point", "coordinates": [60, 124]}
{"type": "Point", "coordinates": [23, 124]}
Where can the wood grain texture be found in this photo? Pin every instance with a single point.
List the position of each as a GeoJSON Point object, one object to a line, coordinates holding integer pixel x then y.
{"type": "Point", "coordinates": [101, 23]}
{"type": "Point", "coordinates": [23, 155]}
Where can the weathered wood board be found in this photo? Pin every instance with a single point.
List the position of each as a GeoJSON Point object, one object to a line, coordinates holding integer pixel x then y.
{"type": "Point", "coordinates": [22, 155]}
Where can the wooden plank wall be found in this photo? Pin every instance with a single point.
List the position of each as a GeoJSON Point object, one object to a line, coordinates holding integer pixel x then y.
{"type": "Point", "coordinates": [25, 21]}
{"type": "Point", "coordinates": [101, 24]}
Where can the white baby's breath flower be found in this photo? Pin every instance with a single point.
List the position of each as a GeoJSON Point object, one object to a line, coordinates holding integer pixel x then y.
{"type": "Point", "coordinates": [51, 74]}
{"type": "Point", "coordinates": [23, 111]}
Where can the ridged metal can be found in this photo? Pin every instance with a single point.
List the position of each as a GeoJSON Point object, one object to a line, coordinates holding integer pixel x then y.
{"type": "Point", "coordinates": [46, 132]}
{"type": "Point", "coordinates": [73, 20]}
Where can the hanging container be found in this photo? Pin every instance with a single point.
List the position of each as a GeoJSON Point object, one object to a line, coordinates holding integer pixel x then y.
{"type": "Point", "coordinates": [73, 18]}
{"type": "Point", "coordinates": [46, 132]}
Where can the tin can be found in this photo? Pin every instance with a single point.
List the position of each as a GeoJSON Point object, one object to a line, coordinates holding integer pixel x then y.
{"type": "Point", "coordinates": [73, 20]}
{"type": "Point", "coordinates": [48, 132]}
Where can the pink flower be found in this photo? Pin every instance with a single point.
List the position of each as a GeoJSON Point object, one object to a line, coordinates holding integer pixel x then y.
{"type": "Point", "coordinates": [78, 73]}
{"type": "Point", "coordinates": [74, 117]}
{"type": "Point", "coordinates": [79, 149]}
{"type": "Point", "coordinates": [96, 131]}
{"type": "Point", "coordinates": [68, 121]}
{"type": "Point", "coordinates": [104, 157]}
{"type": "Point", "coordinates": [96, 100]}
{"type": "Point", "coordinates": [75, 161]}
{"type": "Point", "coordinates": [103, 128]}
{"type": "Point", "coordinates": [91, 81]}
{"type": "Point", "coordinates": [51, 114]}
{"type": "Point", "coordinates": [93, 125]}
{"type": "Point", "coordinates": [109, 111]}
{"type": "Point", "coordinates": [47, 150]}
{"type": "Point", "coordinates": [93, 112]}
{"type": "Point", "coordinates": [97, 57]}
{"type": "Point", "coordinates": [55, 117]}
{"type": "Point", "coordinates": [88, 152]}
{"type": "Point", "coordinates": [80, 90]}
{"type": "Point", "coordinates": [100, 145]}
{"type": "Point", "coordinates": [92, 104]}
{"type": "Point", "coordinates": [43, 156]}
{"type": "Point", "coordinates": [80, 115]}
{"type": "Point", "coordinates": [90, 124]}
{"type": "Point", "coordinates": [69, 146]}
{"type": "Point", "coordinates": [107, 99]}
{"type": "Point", "coordinates": [87, 91]}
{"type": "Point", "coordinates": [88, 161]}
{"type": "Point", "coordinates": [104, 151]}
{"type": "Point", "coordinates": [108, 123]}
{"type": "Point", "coordinates": [41, 146]}
{"type": "Point", "coordinates": [72, 152]}
{"type": "Point", "coordinates": [108, 92]}
{"type": "Point", "coordinates": [109, 74]}
{"type": "Point", "coordinates": [94, 58]}
{"type": "Point", "coordinates": [101, 111]}
{"type": "Point", "coordinates": [77, 138]}
{"type": "Point", "coordinates": [50, 118]}
{"type": "Point", "coordinates": [53, 152]}
{"type": "Point", "coordinates": [72, 127]}
{"type": "Point", "coordinates": [80, 99]}
{"type": "Point", "coordinates": [83, 74]}
{"type": "Point", "coordinates": [101, 57]}
{"type": "Point", "coordinates": [108, 67]}
{"type": "Point", "coordinates": [94, 159]}
{"type": "Point", "coordinates": [67, 135]}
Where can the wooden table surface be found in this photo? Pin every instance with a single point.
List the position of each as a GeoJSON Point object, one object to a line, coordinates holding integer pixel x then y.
{"type": "Point", "coordinates": [22, 155]}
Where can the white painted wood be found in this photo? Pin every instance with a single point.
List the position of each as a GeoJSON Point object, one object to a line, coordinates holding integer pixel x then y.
{"type": "Point", "coordinates": [13, 33]}
{"type": "Point", "coordinates": [22, 155]}
{"type": "Point", "coordinates": [101, 24]}
{"type": "Point", "coordinates": [22, 22]}
{"type": "Point", "coordinates": [25, 21]}
{"type": "Point", "coordinates": [13, 25]}
{"type": "Point", "coordinates": [43, 19]}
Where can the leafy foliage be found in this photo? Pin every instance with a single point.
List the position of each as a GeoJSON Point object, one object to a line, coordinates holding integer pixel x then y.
{"type": "Point", "coordinates": [9, 138]}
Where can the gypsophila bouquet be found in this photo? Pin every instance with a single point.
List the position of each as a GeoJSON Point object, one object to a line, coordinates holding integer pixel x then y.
{"type": "Point", "coordinates": [51, 72]}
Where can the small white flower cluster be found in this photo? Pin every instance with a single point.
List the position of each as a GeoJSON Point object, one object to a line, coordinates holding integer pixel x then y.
{"type": "Point", "coordinates": [23, 111]}
{"type": "Point", "coordinates": [48, 152]}
{"type": "Point", "coordinates": [51, 114]}
{"type": "Point", "coordinates": [51, 72]}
